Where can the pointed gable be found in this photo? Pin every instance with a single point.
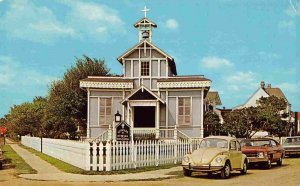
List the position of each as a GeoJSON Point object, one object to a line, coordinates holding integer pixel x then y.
{"type": "Point", "coordinates": [144, 44]}
{"type": "Point", "coordinates": [144, 21]}
{"type": "Point", "coordinates": [143, 94]}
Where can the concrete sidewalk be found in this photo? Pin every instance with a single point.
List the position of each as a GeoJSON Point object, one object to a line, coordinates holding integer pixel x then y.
{"type": "Point", "coordinates": [48, 172]}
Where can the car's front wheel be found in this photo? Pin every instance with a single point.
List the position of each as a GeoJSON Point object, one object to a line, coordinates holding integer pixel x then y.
{"type": "Point", "coordinates": [187, 172]}
{"type": "Point", "coordinates": [268, 164]}
{"type": "Point", "coordinates": [245, 167]}
{"type": "Point", "coordinates": [279, 162]}
{"type": "Point", "coordinates": [225, 172]}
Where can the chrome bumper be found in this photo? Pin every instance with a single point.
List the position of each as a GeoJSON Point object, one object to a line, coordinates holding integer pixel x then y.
{"type": "Point", "coordinates": [202, 168]}
{"type": "Point", "coordinates": [257, 160]}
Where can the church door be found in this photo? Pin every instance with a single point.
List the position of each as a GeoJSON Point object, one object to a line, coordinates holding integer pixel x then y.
{"type": "Point", "coordinates": [144, 117]}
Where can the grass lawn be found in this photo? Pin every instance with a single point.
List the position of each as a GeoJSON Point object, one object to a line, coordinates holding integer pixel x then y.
{"type": "Point", "coordinates": [72, 169]}
{"type": "Point", "coordinates": [15, 161]}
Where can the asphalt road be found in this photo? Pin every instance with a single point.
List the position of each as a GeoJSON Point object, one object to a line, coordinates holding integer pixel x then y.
{"type": "Point", "coordinates": [286, 175]}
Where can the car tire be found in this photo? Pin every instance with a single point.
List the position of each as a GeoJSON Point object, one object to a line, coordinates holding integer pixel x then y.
{"type": "Point", "coordinates": [279, 162]}
{"type": "Point", "coordinates": [245, 167]}
{"type": "Point", "coordinates": [187, 172]}
{"type": "Point", "coordinates": [225, 172]}
{"type": "Point", "coordinates": [268, 164]}
{"type": "Point", "coordinates": [209, 174]}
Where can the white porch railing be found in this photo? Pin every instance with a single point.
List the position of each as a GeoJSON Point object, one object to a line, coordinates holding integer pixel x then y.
{"type": "Point", "coordinates": [168, 133]}
{"type": "Point", "coordinates": [104, 136]}
{"type": "Point", "coordinates": [144, 133]}
{"type": "Point", "coordinates": [182, 135]}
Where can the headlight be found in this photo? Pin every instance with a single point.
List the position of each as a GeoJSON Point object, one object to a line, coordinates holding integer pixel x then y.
{"type": "Point", "coordinates": [218, 159]}
{"type": "Point", "coordinates": [185, 159]}
{"type": "Point", "coordinates": [260, 154]}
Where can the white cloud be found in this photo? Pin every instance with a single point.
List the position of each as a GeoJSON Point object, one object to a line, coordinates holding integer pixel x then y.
{"type": "Point", "coordinates": [293, 13]}
{"type": "Point", "coordinates": [6, 70]}
{"type": "Point", "coordinates": [91, 20]}
{"type": "Point", "coordinates": [241, 77]}
{"type": "Point", "coordinates": [268, 56]}
{"type": "Point", "coordinates": [294, 9]}
{"type": "Point", "coordinates": [15, 76]}
{"type": "Point", "coordinates": [215, 62]}
{"type": "Point", "coordinates": [288, 25]}
{"type": "Point", "coordinates": [84, 20]}
{"type": "Point", "coordinates": [24, 20]}
{"type": "Point", "coordinates": [289, 87]}
{"type": "Point", "coordinates": [172, 24]}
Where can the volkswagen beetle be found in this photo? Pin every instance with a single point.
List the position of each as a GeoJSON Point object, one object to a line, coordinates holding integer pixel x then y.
{"type": "Point", "coordinates": [217, 154]}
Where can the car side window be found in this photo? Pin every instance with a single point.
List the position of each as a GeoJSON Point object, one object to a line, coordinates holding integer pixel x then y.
{"type": "Point", "coordinates": [232, 145]}
{"type": "Point", "coordinates": [273, 143]}
{"type": "Point", "coordinates": [238, 145]}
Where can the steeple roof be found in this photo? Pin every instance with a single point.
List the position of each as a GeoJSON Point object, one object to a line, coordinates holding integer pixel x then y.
{"type": "Point", "coordinates": [143, 21]}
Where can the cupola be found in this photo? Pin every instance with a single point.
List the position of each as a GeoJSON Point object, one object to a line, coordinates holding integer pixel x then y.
{"type": "Point", "coordinates": [145, 26]}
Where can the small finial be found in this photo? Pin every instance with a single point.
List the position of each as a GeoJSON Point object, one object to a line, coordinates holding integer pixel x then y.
{"type": "Point", "coordinates": [145, 10]}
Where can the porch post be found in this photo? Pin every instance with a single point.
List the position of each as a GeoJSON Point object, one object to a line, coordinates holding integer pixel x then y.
{"type": "Point", "coordinates": [127, 118]}
{"type": "Point", "coordinates": [201, 113]}
{"type": "Point", "coordinates": [88, 114]}
{"type": "Point", "coordinates": [157, 121]}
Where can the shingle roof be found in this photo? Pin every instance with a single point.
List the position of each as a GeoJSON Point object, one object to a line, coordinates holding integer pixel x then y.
{"type": "Point", "coordinates": [275, 92]}
{"type": "Point", "coordinates": [214, 96]}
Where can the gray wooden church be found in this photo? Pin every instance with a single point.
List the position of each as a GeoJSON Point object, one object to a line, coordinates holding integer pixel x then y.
{"type": "Point", "coordinates": [150, 96]}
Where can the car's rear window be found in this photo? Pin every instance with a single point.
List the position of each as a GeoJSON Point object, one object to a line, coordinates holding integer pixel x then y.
{"type": "Point", "coordinates": [214, 143]}
{"type": "Point", "coordinates": [255, 143]}
{"type": "Point", "coordinates": [292, 141]}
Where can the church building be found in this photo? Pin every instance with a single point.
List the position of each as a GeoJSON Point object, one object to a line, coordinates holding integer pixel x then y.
{"type": "Point", "coordinates": [149, 96]}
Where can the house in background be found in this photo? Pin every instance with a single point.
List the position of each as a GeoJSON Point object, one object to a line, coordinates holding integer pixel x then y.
{"type": "Point", "coordinates": [150, 96]}
{"type": "Point", "coordinates": [264, 91]}
{"type": "Point", "coordinates": [212, 100]}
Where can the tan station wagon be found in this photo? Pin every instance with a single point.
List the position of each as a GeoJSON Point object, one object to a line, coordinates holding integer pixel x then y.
{"type": "Point", "coordinates": [217, 154]}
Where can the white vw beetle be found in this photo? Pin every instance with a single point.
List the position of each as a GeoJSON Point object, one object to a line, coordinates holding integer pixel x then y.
{"type": "Point", "coordinates": [220, 154]}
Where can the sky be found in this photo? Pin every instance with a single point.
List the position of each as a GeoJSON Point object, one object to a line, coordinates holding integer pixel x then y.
{"type": "Point", "coordinates": [235, 43]}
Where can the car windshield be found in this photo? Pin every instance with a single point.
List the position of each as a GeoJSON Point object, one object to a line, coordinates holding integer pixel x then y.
{"type": "Point", "coordinates": [292, 141]}
{"type": "Point", "coordinates": [214, 143]}
{"type": "Point", "coordinates": [255, 143]}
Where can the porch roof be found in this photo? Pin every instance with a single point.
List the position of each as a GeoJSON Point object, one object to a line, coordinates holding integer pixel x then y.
{"type": "Point", "coordinates": [106, 82]}
{"type": "Point", "coordinates": [135, 95]}
{"type": "Point", "coordinates": [184, 82]}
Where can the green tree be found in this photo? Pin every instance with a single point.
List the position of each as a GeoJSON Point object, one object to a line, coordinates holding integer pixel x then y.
{"type": "Point", "coordinates": [242, 123]}
{"type": "Point", "coordinates": [271, 113]}
{"type": "Point", "coordinates": [211, 123]}
{"type": "Point", "coordinates": [26, 118]}
{"type": "Point", "coordinates": [67, 102]}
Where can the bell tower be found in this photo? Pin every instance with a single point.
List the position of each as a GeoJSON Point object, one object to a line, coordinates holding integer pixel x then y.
{"type": "Point", "coordinates": [145, 26]}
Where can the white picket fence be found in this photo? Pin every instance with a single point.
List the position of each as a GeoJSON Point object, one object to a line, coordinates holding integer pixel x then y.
{"type": "Point", "coordinates": [107, 156]}
{"type": "Point", "coordinates": [114, 155]}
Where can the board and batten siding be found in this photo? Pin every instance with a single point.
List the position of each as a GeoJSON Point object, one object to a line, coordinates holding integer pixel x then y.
{"type": "Point", "coordinates": [158, 66]}
{"type": "Point", "coordinates": [95, 96]}
{"type": "Point", "coordinates": [196, 106]}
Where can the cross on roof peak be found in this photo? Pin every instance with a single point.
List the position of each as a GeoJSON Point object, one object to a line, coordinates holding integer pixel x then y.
{"type": "Point", "coordinates": [145, 10]}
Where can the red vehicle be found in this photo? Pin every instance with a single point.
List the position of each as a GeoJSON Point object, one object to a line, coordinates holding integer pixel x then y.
{"type": "Point", "coordinates": [263, 151]}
